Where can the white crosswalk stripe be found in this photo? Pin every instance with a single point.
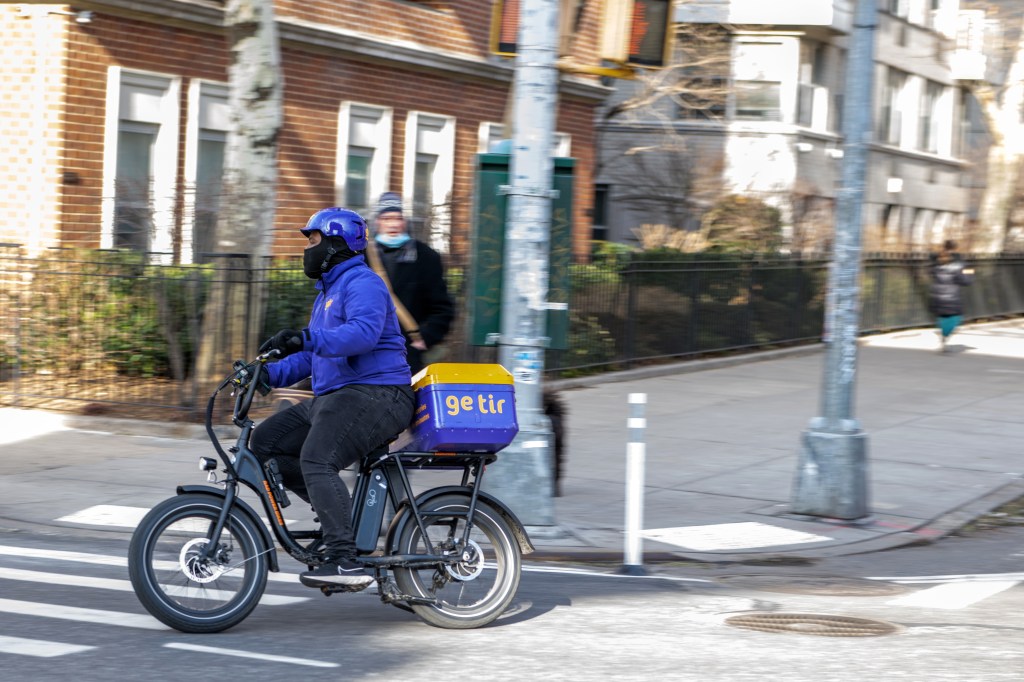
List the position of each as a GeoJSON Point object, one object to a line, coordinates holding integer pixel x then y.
{"type": "Point", "coordinates": [82, 615]}
{"type": "Point", "coordinates": [958, 595]}
{"type": "Point", "coordinates": [106, 560]}
{"type": "Point", "coordinates": [120, 516]}
{"type": "Point", "coordinates": [38, 647]}
{"type": "Point", "coordinates": [958, 578]}
{"type": "Point", "coordinates": [123, 585]}
{"type": "Point", "coordinates": [75, 576]}
{"type": "Point", "coordinates": [952, 591]}
{"type": "Point", "coordinates": [220, 651]}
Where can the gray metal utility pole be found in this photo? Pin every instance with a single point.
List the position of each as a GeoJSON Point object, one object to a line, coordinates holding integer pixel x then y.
{"type": "Point", "coordinates": [831, 478]}
{"type": "Point", "coordinates": [522, 475]}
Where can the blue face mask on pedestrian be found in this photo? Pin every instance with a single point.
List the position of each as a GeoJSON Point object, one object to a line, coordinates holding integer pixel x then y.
{"type": "Point", "coordinates": [392, 241]}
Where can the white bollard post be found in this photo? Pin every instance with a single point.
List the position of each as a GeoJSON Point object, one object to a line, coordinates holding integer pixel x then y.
{"type": "Point", "coordinates": [635, 455]}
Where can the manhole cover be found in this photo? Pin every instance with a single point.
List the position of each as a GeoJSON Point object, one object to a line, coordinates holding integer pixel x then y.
{"type": "Point", "coordinates": [812, 624]}
{"type": "Point", "coordinates": [829, 586]}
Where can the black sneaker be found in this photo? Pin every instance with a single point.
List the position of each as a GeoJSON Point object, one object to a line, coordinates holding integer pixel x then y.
{"type": "Point", "coordinates": [337, 572]}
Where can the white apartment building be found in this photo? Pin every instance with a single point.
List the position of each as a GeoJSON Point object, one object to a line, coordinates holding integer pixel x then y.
{"type": "Point", "coordinates": [773, 127]}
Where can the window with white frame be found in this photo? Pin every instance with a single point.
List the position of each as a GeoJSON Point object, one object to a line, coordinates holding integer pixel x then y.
{"type": "Point", "coordinates": [932, 16]}
{"type": "Point", "coordinates": [890, 122]}
{"type": "Point", "coordinates": [835, 123]}
{"type": "Point", "coordinates": [423, 184]}
{"type": "Point", "coordinates": [364, 155]}
{"type": "Point", "coordinates": [206, 139]}
{"type": "Point", "coordinates": [133, 185]}
{"type": "Point", "coordinates": [900, 8]}
{"type": "Point", "coordinates": [491, 134]}
{"type": "Point", "coordinates": [935, 14]}
{"type": "Point", "coordinates": [812, 93]}
{"type": "Point", "coordinates": [930, 126]}
{"type": "Point", "coordinates": [429, 173]}
{"type": "Point", "coordinates": [140, 161]}
{"type": "Point", "coordinates": [760, 70]}
{"type": "Point", "coordinates": [961, 133]}
{"type": "Point", "coordinates": [357, 177]}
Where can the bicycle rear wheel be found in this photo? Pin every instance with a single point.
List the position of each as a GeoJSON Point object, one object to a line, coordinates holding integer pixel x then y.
{"type": "Point", "coordinates": [181, 589]}
{"type": "Point", "coordinates": [478, 589]}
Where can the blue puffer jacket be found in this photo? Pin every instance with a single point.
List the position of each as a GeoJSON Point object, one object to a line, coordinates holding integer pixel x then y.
{"type": "Point", "coordinates": [354, 336]}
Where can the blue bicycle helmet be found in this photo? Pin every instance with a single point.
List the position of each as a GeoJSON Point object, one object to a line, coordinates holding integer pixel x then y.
{"type": "Point", "coordinates": [339, 222]}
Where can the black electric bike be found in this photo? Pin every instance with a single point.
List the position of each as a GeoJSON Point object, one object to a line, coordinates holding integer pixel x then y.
{"type": "Point", "coordinates": [452, 554]}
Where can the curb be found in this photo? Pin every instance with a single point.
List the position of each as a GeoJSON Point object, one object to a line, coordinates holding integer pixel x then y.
{"type": "Point", "coordinates": [927, 532]}
{"type": "Point", "coordinates": [683, 367]}
{"type": "Point", "coordinates": [137, 427]}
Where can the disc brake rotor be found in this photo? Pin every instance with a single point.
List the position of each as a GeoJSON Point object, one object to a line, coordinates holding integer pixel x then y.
{"type": "Point", "coordinates": [195, 568]}
{"type": "Point", "coordinates": [471, 565]}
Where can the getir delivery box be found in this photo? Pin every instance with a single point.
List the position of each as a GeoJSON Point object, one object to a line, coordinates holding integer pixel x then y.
{"type": "Point", "coordinates": [461, 407]}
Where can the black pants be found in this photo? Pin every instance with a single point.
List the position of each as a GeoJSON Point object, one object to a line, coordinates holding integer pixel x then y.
{"type": "Point", "coordinates": [316, 438]}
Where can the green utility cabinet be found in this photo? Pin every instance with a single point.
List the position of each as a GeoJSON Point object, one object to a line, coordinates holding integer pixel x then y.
{"type": "Point", "coordinates": [488, 249]}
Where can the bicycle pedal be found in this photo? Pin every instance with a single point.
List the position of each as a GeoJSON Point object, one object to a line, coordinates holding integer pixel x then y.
{"type": "Point", "coordinates": [328, 590]}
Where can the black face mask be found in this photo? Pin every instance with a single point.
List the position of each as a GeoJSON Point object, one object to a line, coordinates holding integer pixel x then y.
{"type": "Point", "coordinates": [315, 259]}
{"type": "Point", "coordinates": [318, 259]}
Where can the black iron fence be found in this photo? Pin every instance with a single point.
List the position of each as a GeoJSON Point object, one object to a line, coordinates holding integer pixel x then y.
{"type": "Point", "coordinates": [109, 328]}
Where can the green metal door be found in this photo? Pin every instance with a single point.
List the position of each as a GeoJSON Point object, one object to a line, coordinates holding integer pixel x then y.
{"type": "Point", "coordinates": [488, 247]}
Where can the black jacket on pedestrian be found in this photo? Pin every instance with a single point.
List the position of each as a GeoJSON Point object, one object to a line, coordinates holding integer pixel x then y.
{"type": "Point", "coordinates": [944, 294]}
{"type": "Point", "coordinates": [417, 279]}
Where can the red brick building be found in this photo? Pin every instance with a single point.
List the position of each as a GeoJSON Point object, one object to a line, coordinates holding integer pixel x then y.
{"type": "Point", "coordinates": [115, 116]}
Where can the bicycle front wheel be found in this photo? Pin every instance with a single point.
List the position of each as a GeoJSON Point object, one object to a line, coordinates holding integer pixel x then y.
{"type": "Point", "coordinates": [181, 588]}
{"type": "Point", "coordinates": [479, 588]}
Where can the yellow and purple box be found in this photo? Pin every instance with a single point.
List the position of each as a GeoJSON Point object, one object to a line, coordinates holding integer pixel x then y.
{"type": "Point", "coordinates": [462, 407]}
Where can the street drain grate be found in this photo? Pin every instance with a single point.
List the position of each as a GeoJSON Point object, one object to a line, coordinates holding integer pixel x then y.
{"type": "Point", "coordinates": [814, 585]}
{"type": "Point", "coordinates": [813, 624]}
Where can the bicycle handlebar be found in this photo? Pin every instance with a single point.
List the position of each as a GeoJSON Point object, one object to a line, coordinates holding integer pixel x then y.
{"type": "Point", "coordinates": [248, 375]}
{"type": "Point", "coordinates": [245, 377]}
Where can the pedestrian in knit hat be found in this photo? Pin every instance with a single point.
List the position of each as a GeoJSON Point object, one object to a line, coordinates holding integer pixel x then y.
{"type": "Point", "coordinates": [416, 275]}
{"type": "Point", "coordinates": [390, 202]}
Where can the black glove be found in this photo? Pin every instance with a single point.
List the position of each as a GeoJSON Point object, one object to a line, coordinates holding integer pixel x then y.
{"type": "Point", "coordinates": [242, 380]}
{"type": "Point", "coordinates": [286, 342]}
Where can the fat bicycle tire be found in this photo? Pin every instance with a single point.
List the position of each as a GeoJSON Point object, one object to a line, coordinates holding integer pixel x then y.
{"type": "Point", "coordinates": [477, 590]}
{"type": "Point", "coordinates": [184, 593]}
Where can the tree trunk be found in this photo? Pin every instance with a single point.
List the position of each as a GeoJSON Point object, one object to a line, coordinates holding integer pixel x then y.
{"type": "Point", "coordinates": [1002, 119]}
{"type": "Point", "coordinates": [233, 316]}
{"type": "Point", "coordinates": [1001, 180]}
{"type": "Point", "coordinates": [1002, 113]}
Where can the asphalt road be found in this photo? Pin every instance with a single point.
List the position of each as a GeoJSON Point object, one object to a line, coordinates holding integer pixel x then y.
{"type": "Point", "coordinates": [957, 608]}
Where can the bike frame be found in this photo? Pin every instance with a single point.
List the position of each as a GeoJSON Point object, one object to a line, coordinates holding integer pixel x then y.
{"type": "Point", "coordinates": [395, 468]}
{"type": "Point", "coordinates": [242, 466]}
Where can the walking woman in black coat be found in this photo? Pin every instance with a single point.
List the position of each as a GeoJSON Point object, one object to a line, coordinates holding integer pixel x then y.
{"type": "Point", "coordinates": [949, 275]}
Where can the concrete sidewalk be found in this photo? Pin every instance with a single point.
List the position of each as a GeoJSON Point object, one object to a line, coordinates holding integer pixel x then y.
{"type": "Point", "coordinates": [944, 441]}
